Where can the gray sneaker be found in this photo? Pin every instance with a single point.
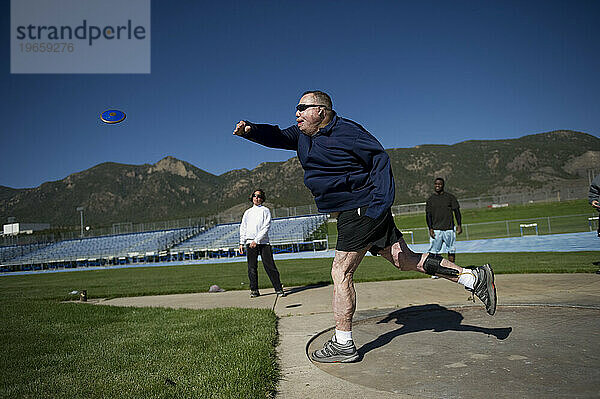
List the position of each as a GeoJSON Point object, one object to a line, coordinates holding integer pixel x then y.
{"type": "Point", "coordinates": [333, 352]}
{"type": "Point", "coordinates": [484, 287]}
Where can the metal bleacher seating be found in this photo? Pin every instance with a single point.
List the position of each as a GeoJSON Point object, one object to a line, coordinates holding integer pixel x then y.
{"type": "Point", "coordinates": [13, 251]}
{"type": "Point", "coordinates": [156, 246]}
{"type": "Point", "coordinates": [10, 252]}
{"type": "Point", "coordinates": [95, 248]}
{"type": "Point", "coordinates": [220, 236]}
{"type": "Point", "coordinates": [289, 230]}
{"type": "Point", "coordinates": [297, 229]}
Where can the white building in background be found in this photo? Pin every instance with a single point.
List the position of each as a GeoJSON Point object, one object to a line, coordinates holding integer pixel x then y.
{"type": "Point", "coordinates": [24, 228]}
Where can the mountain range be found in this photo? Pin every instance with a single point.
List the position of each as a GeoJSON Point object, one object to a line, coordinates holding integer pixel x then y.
{"type": "Point", "coordinates": [175, 189]}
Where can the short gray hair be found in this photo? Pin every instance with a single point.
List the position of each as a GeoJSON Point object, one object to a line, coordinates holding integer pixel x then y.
{"type": "Point", "coordinates": [321, 96]}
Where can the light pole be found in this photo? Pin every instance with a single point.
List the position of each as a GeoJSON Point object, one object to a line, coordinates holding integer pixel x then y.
{"type": "Point", "coordinates": [80, 209]}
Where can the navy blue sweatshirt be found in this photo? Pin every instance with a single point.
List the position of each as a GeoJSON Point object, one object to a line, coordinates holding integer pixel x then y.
{"type": "Point", "coordinates": [345, 167]}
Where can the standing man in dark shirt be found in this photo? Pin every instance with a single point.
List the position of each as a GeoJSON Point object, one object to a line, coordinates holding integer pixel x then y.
{"type": "Point", "coordinates": [350, 175]}
{"type": "Point", "coordinates": [438, 212]}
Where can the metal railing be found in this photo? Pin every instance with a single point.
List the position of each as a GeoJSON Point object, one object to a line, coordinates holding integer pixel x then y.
{"type": "Point", "coordinates": [495, 201]}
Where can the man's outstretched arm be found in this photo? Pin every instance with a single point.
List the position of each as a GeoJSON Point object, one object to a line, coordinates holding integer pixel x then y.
{"type": "Point", "coordinates": [269, 135]}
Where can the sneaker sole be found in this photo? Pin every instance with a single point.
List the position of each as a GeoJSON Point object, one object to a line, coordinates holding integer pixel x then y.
{"type": "Point", "coordinates": [335, 359]}
{"type": "Point", "coordinates": [491, 287]}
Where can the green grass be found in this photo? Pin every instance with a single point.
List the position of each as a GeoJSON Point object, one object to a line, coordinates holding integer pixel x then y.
{"type": "Point", "coordinates": [65, 350]}
{"type": "Point", "coordinates": [53, 350]}
{"type": "Point", "coordinates": [112, 283]}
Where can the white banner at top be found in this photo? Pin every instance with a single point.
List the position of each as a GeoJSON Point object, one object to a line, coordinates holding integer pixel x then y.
{"type": "Point", "coordinates": [80, 36]}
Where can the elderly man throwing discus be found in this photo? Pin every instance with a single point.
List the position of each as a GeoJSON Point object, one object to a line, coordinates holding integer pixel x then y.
{"type": "Point", "coordinates": [350, 176]}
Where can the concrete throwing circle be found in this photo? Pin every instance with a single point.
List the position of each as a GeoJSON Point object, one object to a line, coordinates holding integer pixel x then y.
{"type": "Point", "coordinates": [432, 351]}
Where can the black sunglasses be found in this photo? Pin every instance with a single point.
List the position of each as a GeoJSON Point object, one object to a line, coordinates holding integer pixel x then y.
{"type": "Point", "coordinates": [304, 107]}
{"type": "Point", "coordinates": [258, 196]}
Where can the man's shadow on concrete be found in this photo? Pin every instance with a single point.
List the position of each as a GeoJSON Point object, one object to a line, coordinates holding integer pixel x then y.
{"type": "Point", "coordinates": [425, 318]}
{"type": "Point", "coordinates": [295, 290]}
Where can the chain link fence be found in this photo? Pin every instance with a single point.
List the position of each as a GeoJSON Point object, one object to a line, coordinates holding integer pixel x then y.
{"type": "Point", "coordinates": [501, 200]}
{"type": "Point", "coordinates": [564, 194]}
{"type": "Point", "coordinates": [116, 228]}
{"type": "Point", "coordinates": [507, 228]}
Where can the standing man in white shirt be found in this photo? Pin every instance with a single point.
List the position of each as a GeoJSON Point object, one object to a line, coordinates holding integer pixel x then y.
{"type": "Point", "coordinates": [254, 235]}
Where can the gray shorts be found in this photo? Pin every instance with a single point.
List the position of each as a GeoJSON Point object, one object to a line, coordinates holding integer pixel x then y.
{"type": "Point", "coordinates": [447, 237]}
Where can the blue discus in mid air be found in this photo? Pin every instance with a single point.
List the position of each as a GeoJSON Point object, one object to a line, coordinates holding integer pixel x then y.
{"type": "Point", "coordinates": [112, 116]}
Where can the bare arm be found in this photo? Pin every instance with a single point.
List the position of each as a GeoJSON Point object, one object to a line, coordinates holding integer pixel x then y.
{"type": "Point", "coordinates": [458, 217]}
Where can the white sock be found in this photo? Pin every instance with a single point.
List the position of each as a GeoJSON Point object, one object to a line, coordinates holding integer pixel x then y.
{"type": "Point", "coordinates": [467, 278]}
{"type": "Point", "coordinates": [342, 337]}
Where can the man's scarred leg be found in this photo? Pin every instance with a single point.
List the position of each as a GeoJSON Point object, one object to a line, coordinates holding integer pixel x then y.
{"type": "Point", "coordinates": [344, 295]}
{"type": "Point", "coordinates": [402, 257]}
{"type": "Point", "coordinates": [479, 280]}
{"type": "Point", "coordinates": [341, 348]}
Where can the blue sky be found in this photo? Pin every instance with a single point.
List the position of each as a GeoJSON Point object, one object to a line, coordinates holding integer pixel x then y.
{"type": "Point", "coordinates": [428, 72]}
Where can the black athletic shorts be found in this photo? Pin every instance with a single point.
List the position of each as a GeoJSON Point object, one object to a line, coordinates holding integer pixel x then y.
{"type": "Point", "coordinates": [356, 231]}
